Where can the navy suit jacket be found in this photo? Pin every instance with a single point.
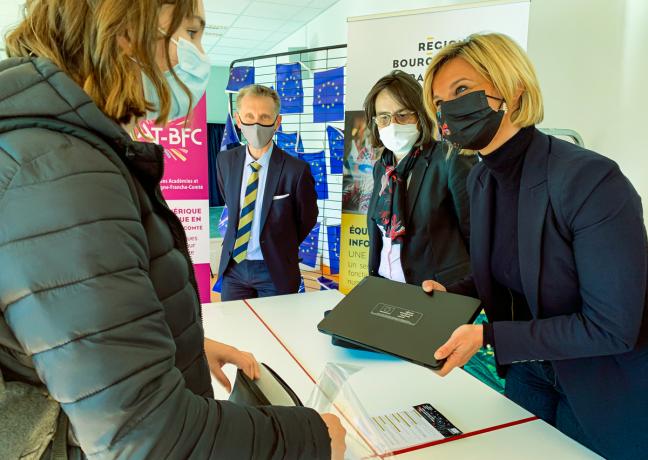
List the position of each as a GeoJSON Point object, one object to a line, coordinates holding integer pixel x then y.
{"type": "Point", "coordinates": [285, 223]}
{"type": "Point", "coordinates": [583, 262]}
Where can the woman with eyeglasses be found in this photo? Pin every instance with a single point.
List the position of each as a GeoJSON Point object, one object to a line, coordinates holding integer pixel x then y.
{"type": "Point", "coordinates": [418, 214]}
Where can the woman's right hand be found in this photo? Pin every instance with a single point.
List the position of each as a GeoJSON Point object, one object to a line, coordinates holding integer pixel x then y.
{"type": "Point", "coordinates": [431, 285]}
{"type": "Point", "coordinates": [337, 433]}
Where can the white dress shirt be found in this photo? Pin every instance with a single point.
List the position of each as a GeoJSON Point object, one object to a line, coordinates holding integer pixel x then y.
{"type": "Point", "coordinates": [254, 249]}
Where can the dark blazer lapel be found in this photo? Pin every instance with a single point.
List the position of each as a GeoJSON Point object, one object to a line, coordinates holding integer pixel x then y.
{"type": "Point", "coordinates": [376, 189]}
{"type": "Point", "coordinates": [532, 211]}
{"type": "Point", "coordinates": [482, 203]}
{"type": "Point", "coordinates": [418, 173]}
{"type": "Point", "coordinates": [234, 190]}
{"type": "Point", "coordinates": [275, 168]}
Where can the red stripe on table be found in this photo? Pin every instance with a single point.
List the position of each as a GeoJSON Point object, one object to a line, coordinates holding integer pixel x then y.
{"type": "Point", "coordinates": [465, 435]}
{"type": "Point", "coordinates": [280, 341]}
{"type": "Point", "coordinates": [310, 377]}
{"type": "Point", "coordinates": [398, 452]}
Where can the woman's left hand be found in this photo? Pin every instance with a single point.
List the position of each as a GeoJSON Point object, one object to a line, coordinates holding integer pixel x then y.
{"type": "Point", "coordinates": [219, 354]}
{"type": "Point", "coordinates": [462, 345]}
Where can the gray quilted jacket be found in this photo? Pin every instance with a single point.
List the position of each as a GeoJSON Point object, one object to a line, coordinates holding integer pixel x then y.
{"type": "Point", "coordinates": [97, 297]}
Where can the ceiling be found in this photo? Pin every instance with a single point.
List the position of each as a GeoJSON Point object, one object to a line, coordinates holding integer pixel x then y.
{"type": "Point", "coordinates": [244, 28]}
{"type": "Point", "coordinates": [235, 28]}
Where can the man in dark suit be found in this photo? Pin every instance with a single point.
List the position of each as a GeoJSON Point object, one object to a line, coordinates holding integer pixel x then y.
{"type": "Point", "coordinates": [271, 200]}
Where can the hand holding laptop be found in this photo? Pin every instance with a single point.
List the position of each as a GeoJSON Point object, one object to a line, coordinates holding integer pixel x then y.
{"type": "Point", "coordinates": [462, 345]}
{"type": "Point", "coordinates": [464, 342]}
{"type": "Point", "coordinates": [404, 321]}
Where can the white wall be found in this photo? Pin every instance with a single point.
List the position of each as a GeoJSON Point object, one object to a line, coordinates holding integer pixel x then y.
{"type": "Point", "coordinates": [592, 60]}
{"type": "Point", "coordinates": [217, 99]}
{"type": "Point", "coordinates": [591, 57]}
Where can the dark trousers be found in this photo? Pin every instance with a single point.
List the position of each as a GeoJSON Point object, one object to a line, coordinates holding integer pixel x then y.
{"type": "Point", "coordinates": [247, 280]}
{"type": "Point", "coordinates": [534, 386]}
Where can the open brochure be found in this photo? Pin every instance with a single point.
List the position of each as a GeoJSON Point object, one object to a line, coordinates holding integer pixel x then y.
{"type": "Point", "coordinates": [380, 419]}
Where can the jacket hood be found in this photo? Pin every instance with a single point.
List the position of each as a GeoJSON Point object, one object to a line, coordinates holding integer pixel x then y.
{"type": "Point", "coordinates": [36, 88]}
{"type": "Point", "coordinates": [34, 92]}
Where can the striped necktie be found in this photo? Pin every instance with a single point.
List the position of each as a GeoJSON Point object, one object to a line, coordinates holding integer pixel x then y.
{"type": "Point", "coordinates": [247, 215]}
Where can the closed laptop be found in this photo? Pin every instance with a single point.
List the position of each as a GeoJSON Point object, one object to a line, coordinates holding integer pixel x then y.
{"type": "Point", "coordinates": [399, 319]}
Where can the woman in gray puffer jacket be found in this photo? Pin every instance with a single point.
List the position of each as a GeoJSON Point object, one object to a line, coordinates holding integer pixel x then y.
{"type": "Point", "coordinates": [98, 300]}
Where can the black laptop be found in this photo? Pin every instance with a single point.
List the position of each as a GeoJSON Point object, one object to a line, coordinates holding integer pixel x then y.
{"type": "Point", "coordinates": [399, 319]}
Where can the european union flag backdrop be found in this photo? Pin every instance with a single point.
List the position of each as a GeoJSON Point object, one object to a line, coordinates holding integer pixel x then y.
{"type": "Point", "coordinates": [328, 96]}
{"type": "Point", "coordinates": [317, 162]}
{"type": "Point", "coordinates": [230, 137]}
{"type": "Point", "coordinates": [291, 143]}
{"type": "Point", "coordinates": [333, 236]}
{"type": "Point", "coordinates": [308, 249]}
{"type": "Point", "coordinates": [239, 77]}
{"type": "Point", "coordinates": [336, 147]}
{"type": "Point", "coordinates": [289, 87]}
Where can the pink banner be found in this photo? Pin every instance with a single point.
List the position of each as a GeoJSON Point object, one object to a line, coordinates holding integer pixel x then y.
{"type": "Point", "coordinates": [185, 184]}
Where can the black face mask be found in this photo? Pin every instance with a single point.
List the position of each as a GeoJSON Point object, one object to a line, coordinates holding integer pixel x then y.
{"type": "Point", "coordinates": [469, 122]}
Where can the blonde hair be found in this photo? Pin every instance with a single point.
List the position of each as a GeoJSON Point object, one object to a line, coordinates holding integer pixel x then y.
{"type": "Point", "coordinates": [504, 64]}
{"type": "Point", "coordinates": [82, 38]}
{"type": "Point", "coordinates": [258, 90]}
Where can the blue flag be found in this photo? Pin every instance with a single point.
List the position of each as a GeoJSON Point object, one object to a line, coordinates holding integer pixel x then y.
{"type": "Point", "coordinates": [239, 77]}
{"type": "Point", "coordinates": [327, 284]}
{"type": "Point", "coordinates": [218, 285]}
{"type": "Point", "coordinates": [222, 229]}
{"type": "Point", "coordinates": [317, 162]}
{"type": "Point", "coordinates": [336, 147]}
{"type": "Point", "coordinates": [230, 137]}
{"type": "Point", "coordinates": [291, 143]}
{"type": "Point", "coordinates": [309, 248]}
{"type": "Point", "coordinates": [333, 236]}
{"type": "Point", "coordinates": [222, 223]}
{"type": "Point", "coordinates": [328, 96]}
{"type": "Point", "coordinates": [289, 87]}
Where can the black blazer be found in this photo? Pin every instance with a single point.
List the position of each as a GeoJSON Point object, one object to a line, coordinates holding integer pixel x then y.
{"type": "Point", "coordinates": [438, 228]}
{"type": "Point", "coordinates": [583, 262]}
{"type": "Point", "coordinates": [285, 223]}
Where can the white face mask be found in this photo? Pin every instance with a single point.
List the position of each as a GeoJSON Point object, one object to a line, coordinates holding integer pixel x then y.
{"type": "Point", "coordinates": [193, 70]}
{"type": "Point", "coordinates": [399, 138]}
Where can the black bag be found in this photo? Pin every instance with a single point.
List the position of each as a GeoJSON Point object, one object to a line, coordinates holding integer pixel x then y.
{"type": "Point", "coordinates": [268, 390]}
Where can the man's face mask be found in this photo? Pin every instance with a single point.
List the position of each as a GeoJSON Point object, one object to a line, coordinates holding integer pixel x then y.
{"type": "Point", "coordinates": [258, 135]}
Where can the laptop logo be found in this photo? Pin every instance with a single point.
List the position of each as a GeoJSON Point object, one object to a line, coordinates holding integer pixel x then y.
{"type": "Point", "coordinates": [402, 315]}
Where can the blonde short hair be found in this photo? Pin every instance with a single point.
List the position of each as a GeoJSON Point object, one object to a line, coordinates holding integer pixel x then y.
{"type": "Point", "coordinates": [504, 64]}
{"type": "Point", "coordinates": [258, 90]}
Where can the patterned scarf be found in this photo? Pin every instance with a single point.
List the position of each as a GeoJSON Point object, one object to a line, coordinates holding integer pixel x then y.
{"type": "Point", "coordinates": [392, 200]}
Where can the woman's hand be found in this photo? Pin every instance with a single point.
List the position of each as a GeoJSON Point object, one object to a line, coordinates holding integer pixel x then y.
{"type": "Point", "coordinates": [462, 345]}
{"type": "Point", "coordinates": [219, 354]}
{"type": "Point", "coordinates": [337, 433]}
{"type": "Point", "coordinates": [431, 285]}
{"type": "Point", "coordinates": [464, 342]}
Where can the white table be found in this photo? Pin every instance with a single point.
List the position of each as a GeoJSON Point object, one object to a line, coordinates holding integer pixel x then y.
{"type": "Point", "coordinates": [234, 324]}
{"type": "Point", "coordinates": [283, 331]}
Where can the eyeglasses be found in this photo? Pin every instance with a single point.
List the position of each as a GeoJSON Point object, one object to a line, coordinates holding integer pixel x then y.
{"type": "Point", "coordinates": [403, 117]}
